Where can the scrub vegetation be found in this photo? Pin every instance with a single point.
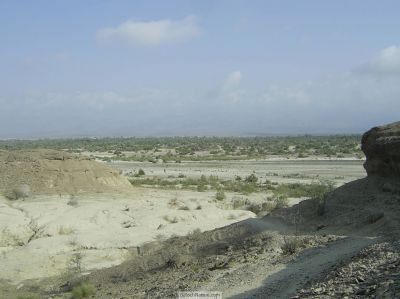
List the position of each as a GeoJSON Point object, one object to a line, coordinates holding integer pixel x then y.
{"type": "Point", "coordinates": [177, 149]}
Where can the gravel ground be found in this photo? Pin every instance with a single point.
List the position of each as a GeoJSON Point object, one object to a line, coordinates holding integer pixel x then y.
{"type": "Point", "coordinates": [373, 273]}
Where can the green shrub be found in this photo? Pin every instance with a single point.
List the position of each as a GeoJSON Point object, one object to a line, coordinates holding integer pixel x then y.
{"type": "Point", "coordinates": [320, 192]}
{"type": "Point", "coordinates": [82, 291]}
{"type": "Point", "coordinates": [251, 178]}
{"type": "Point", "coordinates": [28, 296]}
{"type": "Point", "coordinates": [73, 202]}
{"type": "Point", "coordinates": [316, 190]}
{"type": "Point", "coordinates": [21, 191]}
{"type": "Point", "coordinates": [255, 208]}
{"type": "Point", "coordinates": [220, 195]}
{"type": "Point", "coordinates": [281, 201]}
{"type": "Point", "coordinates": [201, 188]}
{"type": "Point", "coordinates": [141, 172]}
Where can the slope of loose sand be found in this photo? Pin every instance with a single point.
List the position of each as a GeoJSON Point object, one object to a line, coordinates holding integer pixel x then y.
{"type": "Point", "coordinates": [80, 207]}
{"type": "Point", "coordinates": [246, 260]}
{"type": "Point", "coordinates": [40, 236]}
{"type": "Point", "coordinates": [56, 172]}
{"type": "Point", "coordinates": [44, 235]}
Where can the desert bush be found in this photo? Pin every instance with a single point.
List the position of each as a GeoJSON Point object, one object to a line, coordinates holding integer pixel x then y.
{"type": "Point", "coordinates": [10, 239]}
{"type": "Point", "coordinates": [141, 172]}
{"type": "Point", "coordinates": [28, 296]}
{"type": "Point", "coordinates": [268, 206]}
{"type": "Point", "coordinates": [320, 192]}
{"type": "Point", "coordinates": [320, 189]}
{"type": "Point", "coordinates": [252, 178]}
{"type": "Point", "coordinates": [75, 263]}
{"type": "Point", "coordinates": [173, 202]}
{"type": "Point", "coordinates": [21, 191]}
{"type": "Point", "coordinates": [290, 245]}
{"type": "Point", "coordinates": [247, 188]}
{"type": "Point", "coordinates": [73, 202]}
{"type": "Point", "coordinates": [201, 188]}
{"type": "Point", "coordinates": [36, 229]}
{"type": "Point", "coordinates": [256, 208]}
{"type": "Point", "coordinates": [281, 201]}
{"type": "Point", "coordinates": [315, 190]}
{"type": "Point", "coordinates": [83, 290]}
{"type": "Point", "coordinates": [194, 234]}
{"type": "Point", "coordinates": [238, 203]}
{"type": "Point", "coordinates": [184, 208]}
{"type": "Point", "coordinates": [73, 273]}
{"type": "Point", "coordinates": [220, 195]}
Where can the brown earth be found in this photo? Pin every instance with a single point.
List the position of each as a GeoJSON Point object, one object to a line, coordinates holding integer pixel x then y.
{"type": "Point", "coordinates": [57, 172]}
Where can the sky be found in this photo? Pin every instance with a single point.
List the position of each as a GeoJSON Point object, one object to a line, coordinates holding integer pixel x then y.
{"type": "Point", "coordinates": [167, 68]}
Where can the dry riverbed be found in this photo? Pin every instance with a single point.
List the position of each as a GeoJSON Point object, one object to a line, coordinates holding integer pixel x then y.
{"type": "Point", "coordinates": [46, 236]}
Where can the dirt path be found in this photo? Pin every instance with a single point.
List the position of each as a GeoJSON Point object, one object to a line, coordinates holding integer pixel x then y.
{"type": "Point", "coordinates": [283, 280]}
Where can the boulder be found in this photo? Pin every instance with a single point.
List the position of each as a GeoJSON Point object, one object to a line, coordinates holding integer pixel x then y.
{"type": "Point", "coordinates": [381, 146]}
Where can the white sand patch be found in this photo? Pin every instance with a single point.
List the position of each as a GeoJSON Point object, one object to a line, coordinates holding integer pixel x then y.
{"type": "Point", "coordinates": [38, 237]}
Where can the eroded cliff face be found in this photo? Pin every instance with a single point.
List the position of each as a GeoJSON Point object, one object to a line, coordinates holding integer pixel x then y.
{"type": "Point", "coordinates": [56, 172]}
{"type": "Point", "coordinates": [381, 146]}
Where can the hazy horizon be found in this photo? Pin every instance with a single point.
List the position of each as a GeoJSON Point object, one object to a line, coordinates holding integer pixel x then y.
{"type": "Point", "coordinates": [197, 68]}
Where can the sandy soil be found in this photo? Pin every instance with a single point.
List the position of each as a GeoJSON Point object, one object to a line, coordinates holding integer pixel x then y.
{"type": "Point", "coordinates": [246, 259]}
{"type": "Point", "coordinates": [39, 236]}
{"type": "Point", "coordinates": [281, 171]}
{"type": "Point", "coordinates": [126, 241]}
{"type": "Point", "coordinates": [54, 172]}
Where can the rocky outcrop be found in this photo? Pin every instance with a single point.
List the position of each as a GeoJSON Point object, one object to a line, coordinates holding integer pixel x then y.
{"type": "Point", "coordinates": [381, 146]}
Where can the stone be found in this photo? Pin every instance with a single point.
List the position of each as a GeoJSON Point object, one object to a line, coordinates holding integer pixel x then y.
{"type": "Point", "coordinates": [381, 146]}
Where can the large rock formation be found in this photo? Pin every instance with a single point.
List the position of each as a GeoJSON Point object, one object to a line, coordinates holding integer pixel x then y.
{"type": "Point", "coordinates": [381, 146]}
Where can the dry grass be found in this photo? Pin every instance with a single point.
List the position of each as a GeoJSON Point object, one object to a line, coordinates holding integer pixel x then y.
{"type": "Point", "coordinates": [290, 245]}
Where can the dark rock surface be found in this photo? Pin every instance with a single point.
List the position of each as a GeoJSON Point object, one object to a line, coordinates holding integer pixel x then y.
{"type": "Point", "coordinates": [373, 273]}
{"type": "Point", "coordinates": [381, 146]}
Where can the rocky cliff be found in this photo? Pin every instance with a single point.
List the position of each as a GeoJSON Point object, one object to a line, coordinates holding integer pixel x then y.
{"type": "Point", "coordinates": [381, 146]}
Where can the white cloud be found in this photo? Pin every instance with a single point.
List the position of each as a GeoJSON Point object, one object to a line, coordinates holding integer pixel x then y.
{"type": "Point", "coordinates": [286, 95]}
{"type": "Point", "coordinates": [233, 80]}
{"type": "Point", "coordinates": [387, 61]}
{"type": "Point", "coordinates": [231, 91]}
{"type": "Point", "coordinates": [150, 33]}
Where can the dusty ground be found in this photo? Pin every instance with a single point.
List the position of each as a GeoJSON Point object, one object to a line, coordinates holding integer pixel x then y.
{"type": "Point", "coordinates": [347, 251]}
{"type": "Point", "coordinates": [276, 170]}
{"type": "Point", "coordinates": [242, 256]}
{"type": "Point", "coordinates": [372, 273]}
{"type": "Point", "coordinates": [54, 172]}
{"type": "Point", "coordinates": [39, 236]}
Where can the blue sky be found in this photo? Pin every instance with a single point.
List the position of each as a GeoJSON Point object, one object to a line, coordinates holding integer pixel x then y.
{"type": "Point", "coordinates": [74, 68]}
